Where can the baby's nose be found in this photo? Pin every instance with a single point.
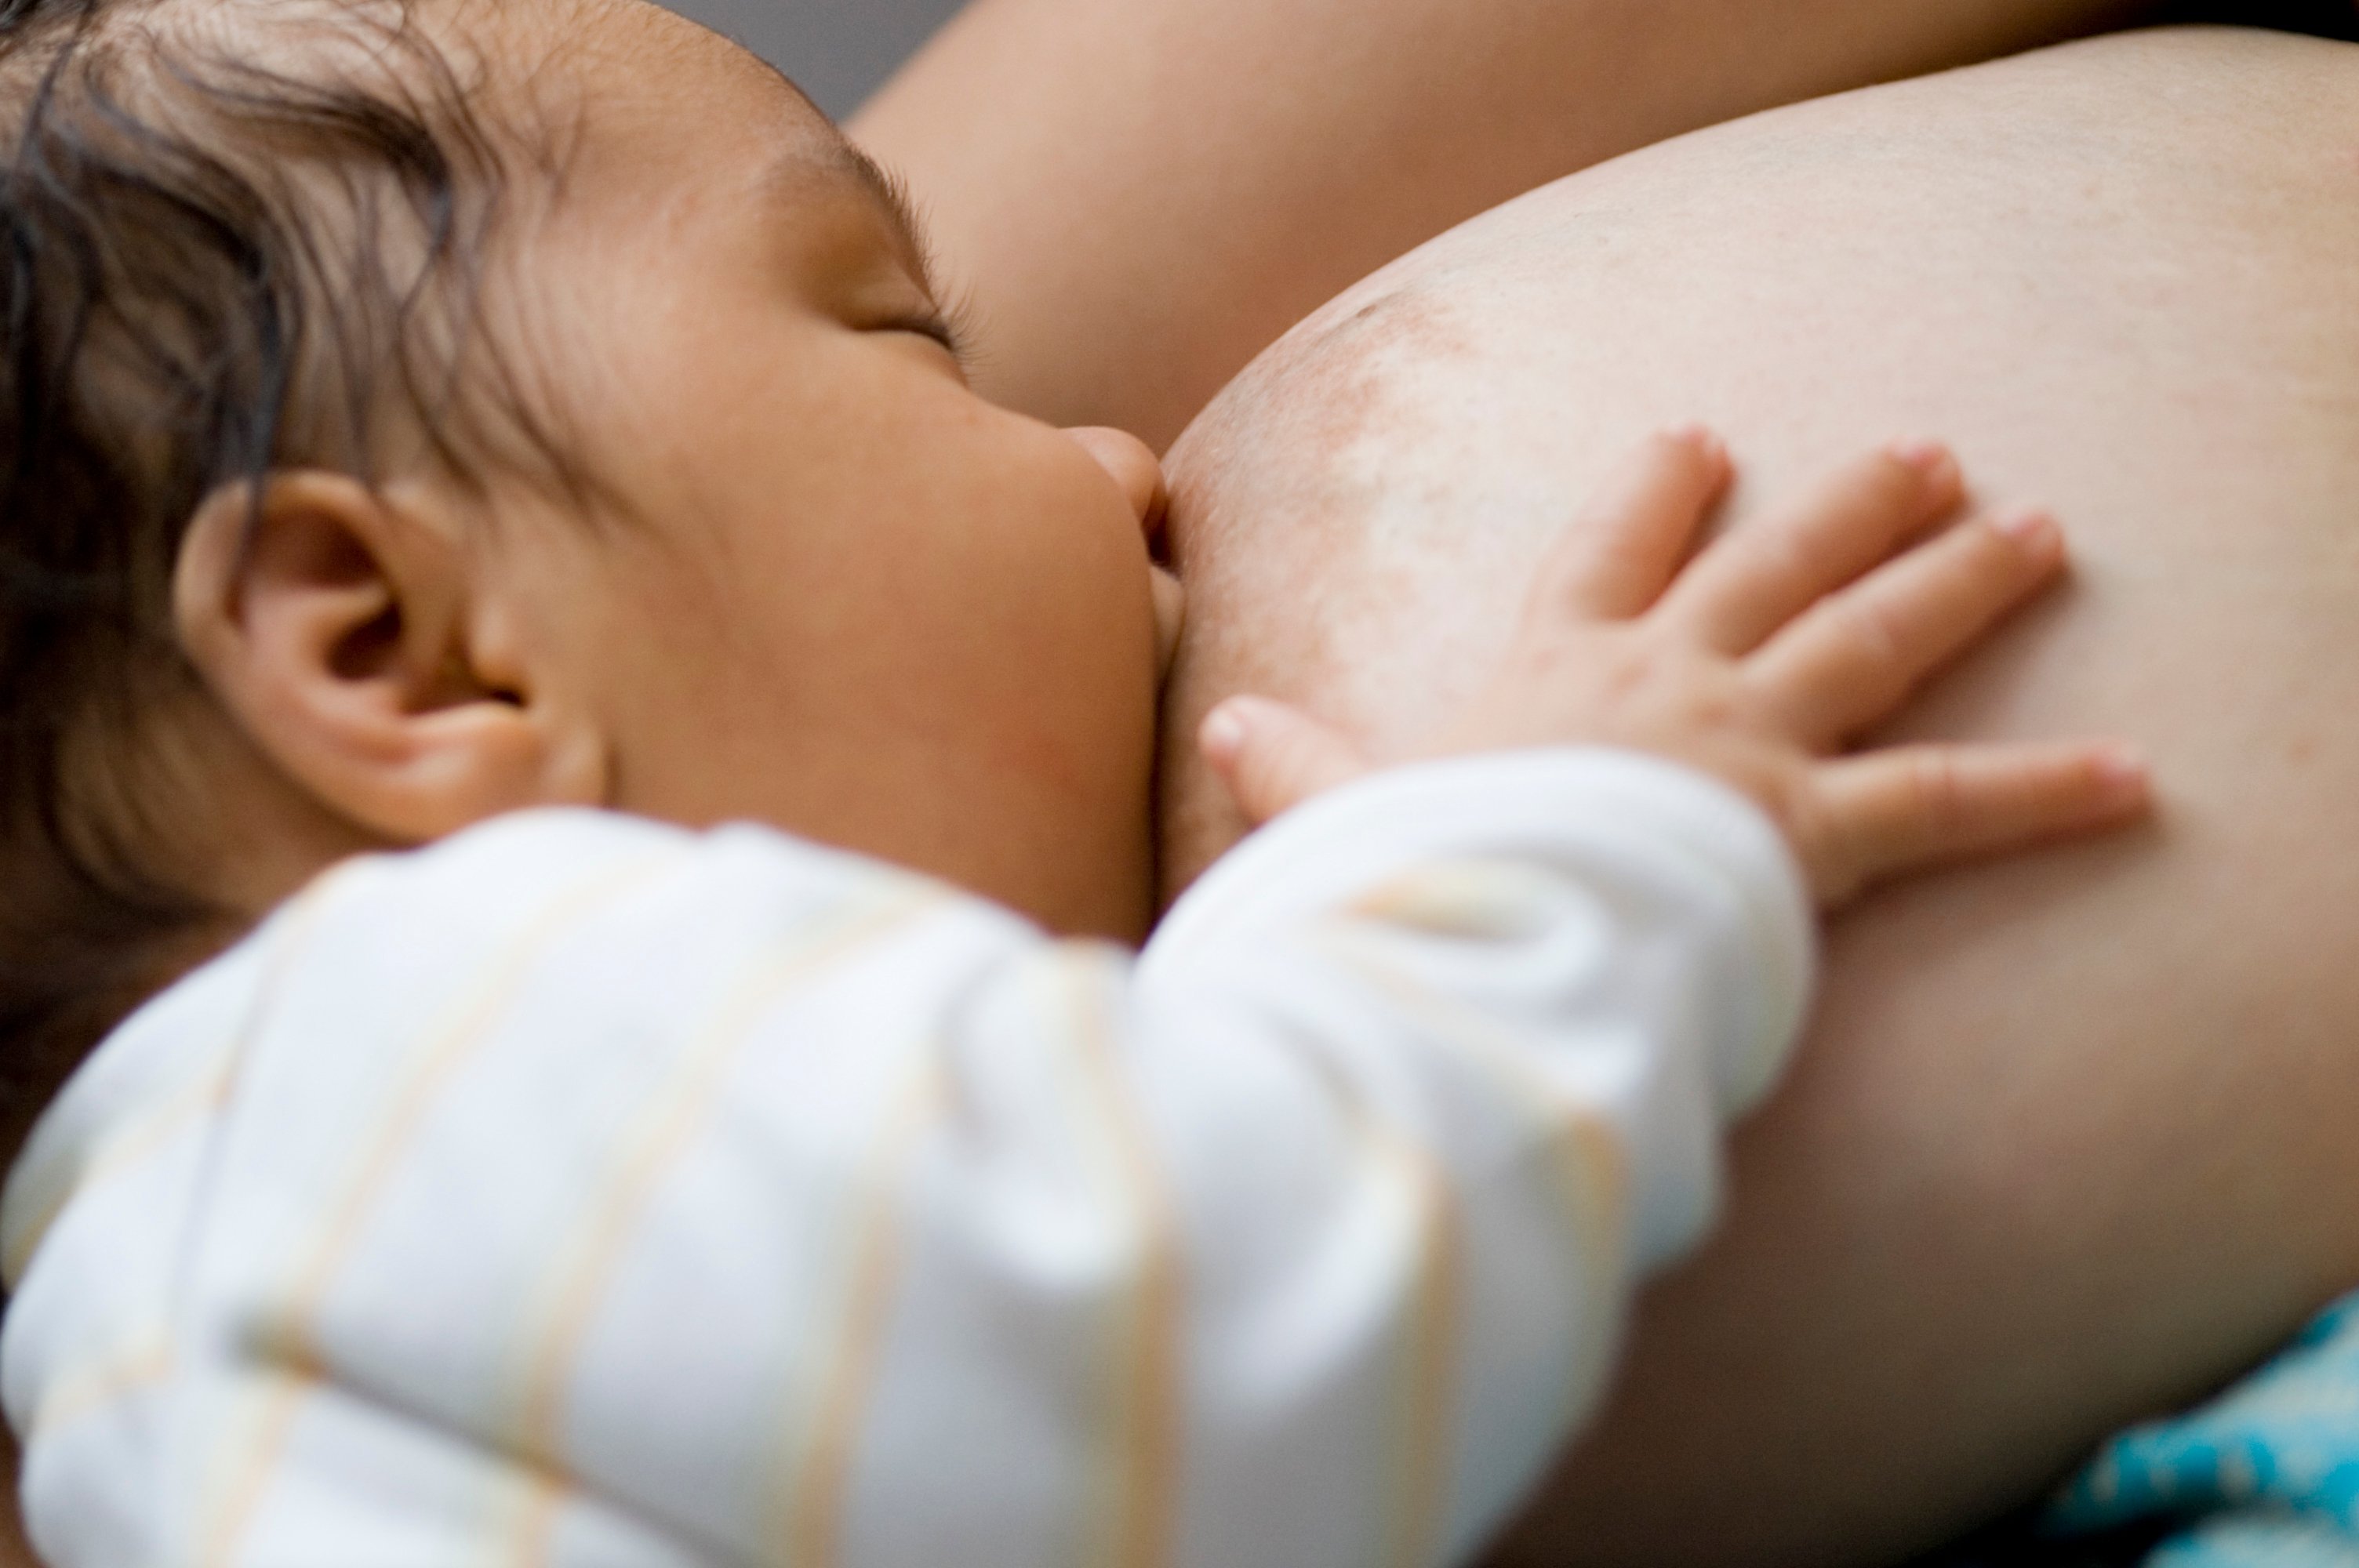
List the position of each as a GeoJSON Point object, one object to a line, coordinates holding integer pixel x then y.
{"type": "Point", "coordinates": [1134, 468]}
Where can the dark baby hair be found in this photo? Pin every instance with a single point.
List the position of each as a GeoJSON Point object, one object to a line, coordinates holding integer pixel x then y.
{"type": "Point", "coordinates": [240, 235]}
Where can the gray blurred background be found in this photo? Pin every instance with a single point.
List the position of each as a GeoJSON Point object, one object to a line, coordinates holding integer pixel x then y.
{"type": "Point", "coordinates": [837, 50]}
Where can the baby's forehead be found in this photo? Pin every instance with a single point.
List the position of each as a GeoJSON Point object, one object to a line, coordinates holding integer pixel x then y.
{"type": "Point", "coordinates": [622, 91]}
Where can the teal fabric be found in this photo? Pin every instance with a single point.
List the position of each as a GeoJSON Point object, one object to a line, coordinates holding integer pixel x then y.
{"type": "Point", "coordinates": [2266, 1475]}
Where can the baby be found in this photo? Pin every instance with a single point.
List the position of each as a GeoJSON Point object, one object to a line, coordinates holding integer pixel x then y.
{"type": "Point", "coordinates": [528, 429]}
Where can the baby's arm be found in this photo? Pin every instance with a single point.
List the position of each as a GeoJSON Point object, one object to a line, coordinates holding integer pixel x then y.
{"type": "Point", "coordinates": [586, 1190]}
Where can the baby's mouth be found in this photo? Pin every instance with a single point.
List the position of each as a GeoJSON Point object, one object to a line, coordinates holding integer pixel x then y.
{"type": "Point", "coordinates": [1170, 612]}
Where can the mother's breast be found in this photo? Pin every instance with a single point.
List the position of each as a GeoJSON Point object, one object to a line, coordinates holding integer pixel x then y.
{"type": "Point", "coordinates": [2072, 1137]}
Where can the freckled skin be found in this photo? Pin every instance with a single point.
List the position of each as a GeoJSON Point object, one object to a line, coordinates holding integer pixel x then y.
{"type": "Point", "coordinates": [2068, 1141]}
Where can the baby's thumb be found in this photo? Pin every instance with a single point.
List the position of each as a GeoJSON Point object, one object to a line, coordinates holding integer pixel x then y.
{"type": "Point", "coordinates": [1273, 757]}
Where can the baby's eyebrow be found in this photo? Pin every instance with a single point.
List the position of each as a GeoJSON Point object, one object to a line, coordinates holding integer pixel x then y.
{"type": "Point", "coordinates": [888, 190]}
{"type": "Point", "coordinates": [891, 193]}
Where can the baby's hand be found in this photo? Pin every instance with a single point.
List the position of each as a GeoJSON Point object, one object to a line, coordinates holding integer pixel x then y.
{"type": "Point", "coordinates": [1757, 663]}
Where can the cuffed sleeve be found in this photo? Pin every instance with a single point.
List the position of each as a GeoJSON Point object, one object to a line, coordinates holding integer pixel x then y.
{"type": "Point", "coordinates": [584, 1191]}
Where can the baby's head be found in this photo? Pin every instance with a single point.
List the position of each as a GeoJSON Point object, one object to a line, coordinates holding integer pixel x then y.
{"type": "Point", "coordinates": [419, 411]}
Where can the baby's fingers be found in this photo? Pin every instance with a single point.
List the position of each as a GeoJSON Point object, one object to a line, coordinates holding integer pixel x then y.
{"type": "Point", "coordinates": [1615, 559]}
{"type": "Point", "coordinates": [1750, 584]}
{"type": "Point", "coordinates": [1852, 658]}
{"type": "Point", "coordinates": [1888, 812]}
{"type": "Point", "coordinates": [1273, 757]}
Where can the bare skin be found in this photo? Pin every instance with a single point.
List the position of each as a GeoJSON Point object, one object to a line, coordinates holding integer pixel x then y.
{"type": "Point", "coordinates": [2058, 1152]}
{"type": "Point", "coordinates": [1139, 197]}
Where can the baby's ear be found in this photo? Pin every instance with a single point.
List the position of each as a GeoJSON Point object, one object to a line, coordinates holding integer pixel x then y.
{"type": "Point", "coordinates": [343, 633]}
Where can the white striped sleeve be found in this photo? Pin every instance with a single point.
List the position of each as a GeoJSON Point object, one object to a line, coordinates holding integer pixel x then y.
{"type": "Point", "coordinates": [593, 1193]}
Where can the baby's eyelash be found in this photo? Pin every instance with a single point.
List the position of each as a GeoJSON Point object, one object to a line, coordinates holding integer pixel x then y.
{"type": "Point", "coordinates": [953, 322]}
{"type": "Point", "coordinates": [950, 325]}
